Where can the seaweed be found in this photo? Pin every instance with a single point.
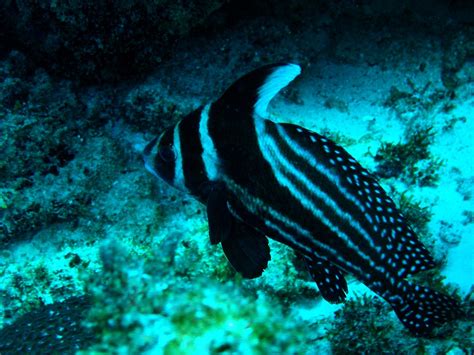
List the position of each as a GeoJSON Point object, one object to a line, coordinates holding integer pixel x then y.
{"type": "Point", "coordinates": [338, 137]}
{"type": "Point", "coordinates": [418, 105]}
{"type": "Point", "coordinates": [417, 215]}
{"type": "Point", "coordinates": [411, 161]}
{"type": "Point", "coordinates": [364, 326]}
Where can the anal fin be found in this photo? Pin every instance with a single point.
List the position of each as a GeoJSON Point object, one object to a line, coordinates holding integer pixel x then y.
{"type": "Point", "coordinates": [330, 280]}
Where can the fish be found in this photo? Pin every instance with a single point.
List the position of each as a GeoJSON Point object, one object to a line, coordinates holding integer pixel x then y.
{"type": "Point", "coordinates": [262, 179]}
{"type": "Point", "coordinates": [56, 328]}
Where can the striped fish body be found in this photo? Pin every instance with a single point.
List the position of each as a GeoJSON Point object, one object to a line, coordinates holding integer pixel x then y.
{"type": "Point", "coordinates": [263, 179]}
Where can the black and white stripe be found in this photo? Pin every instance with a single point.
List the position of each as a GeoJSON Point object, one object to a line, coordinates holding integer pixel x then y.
{"type": "Point", "coordinates": [201, 139]}
{"type": "Point", "coordinates": [178, 180]}
{"type": "Point", "coordinates": [209, 155]}
{"type": "Point", "coordinates": [300, 189]}
{"type": "Point", "coordinates": [306, 194]}
{"type": "Point", "coordinates": [278, 225]}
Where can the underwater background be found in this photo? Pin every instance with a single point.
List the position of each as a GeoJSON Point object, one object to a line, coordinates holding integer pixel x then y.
{"type": "Point", "coordinates": [98, 256]}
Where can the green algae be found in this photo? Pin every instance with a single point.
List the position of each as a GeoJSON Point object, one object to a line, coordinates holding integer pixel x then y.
{"type": "Point", "coordinates": [417, 215]}
{"type": "Point", "coordinates": [419, 105]}
{"type": "Point", "coordinates": [134, 298]}
{"type": "Point", "coordinates": [364, 326]}
{"type": "Point", "coordinates": [411, 161]}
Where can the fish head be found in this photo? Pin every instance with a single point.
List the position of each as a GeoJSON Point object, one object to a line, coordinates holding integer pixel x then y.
{"type": "Point", "coordinates": [177, 156]}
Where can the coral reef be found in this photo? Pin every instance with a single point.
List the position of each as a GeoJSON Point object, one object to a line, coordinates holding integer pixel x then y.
{"type": "Point", "coordinates": [61, 196]}
{"type": "Point", "coordinates": [72, 175]}
{"type": "Point", "coordinates": [147, 109]}
{"type": "Point", "coordinates": [147, 305]}
{"type": "Point", "coordinates": [458, 49]}
{"type": "Point", "coordinates": [99, 41]}
{"type": "Point", "coordinates": [61, 145]}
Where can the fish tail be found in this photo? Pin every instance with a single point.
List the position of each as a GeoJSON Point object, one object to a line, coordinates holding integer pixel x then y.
{"type": "Point", "coordinates": [422, 309]}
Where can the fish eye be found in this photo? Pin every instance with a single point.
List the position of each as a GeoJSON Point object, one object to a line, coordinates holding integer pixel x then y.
{"type": "Point", "coordinates": [167, 153]}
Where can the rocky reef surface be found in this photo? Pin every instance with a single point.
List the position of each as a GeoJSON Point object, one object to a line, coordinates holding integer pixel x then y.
{"type": "Point", "coordinates": [85, 230]}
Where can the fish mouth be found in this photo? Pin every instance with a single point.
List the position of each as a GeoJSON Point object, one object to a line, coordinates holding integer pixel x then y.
{"type": "Point", "coordinates": [149, 147]}
{"type": "Point", "coordinates": [150, 169]}
{"type": "Point", "coordinates": [147, 156]}
{"type": "Point", "coordinates": [148, 162]}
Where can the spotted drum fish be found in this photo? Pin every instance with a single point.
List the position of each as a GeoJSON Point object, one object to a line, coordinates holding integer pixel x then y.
{"type": "Point", "coordinates": [260, 179]}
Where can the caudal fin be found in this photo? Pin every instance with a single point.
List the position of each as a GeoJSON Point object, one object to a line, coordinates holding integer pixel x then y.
{"type": "Point", "coordinates": [422, 309]}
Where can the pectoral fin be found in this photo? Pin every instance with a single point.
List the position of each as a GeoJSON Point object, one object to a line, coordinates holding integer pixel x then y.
{"type": "Point", "coordinates": [218, 215]}
{"type": "Point", "coordinates": [247, 250]}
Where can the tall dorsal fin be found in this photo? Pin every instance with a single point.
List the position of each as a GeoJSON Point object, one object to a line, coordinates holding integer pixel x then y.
{"type": "Point", "coordinates": [253, 92]}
